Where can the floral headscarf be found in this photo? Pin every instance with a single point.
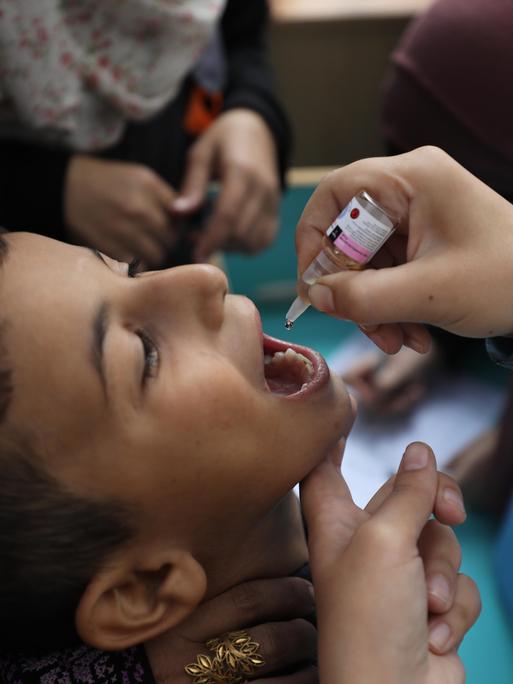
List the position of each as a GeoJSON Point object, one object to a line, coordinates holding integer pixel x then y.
{"type": "Point", "coordinates": [73, 71]}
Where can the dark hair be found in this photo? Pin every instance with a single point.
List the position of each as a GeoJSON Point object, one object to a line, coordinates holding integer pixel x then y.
{"type": "Point", "coordinates": [52, 542]}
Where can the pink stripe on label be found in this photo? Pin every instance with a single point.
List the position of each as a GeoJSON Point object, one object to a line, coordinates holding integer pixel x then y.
{"type": "Point", "coordinates": [352, 249]}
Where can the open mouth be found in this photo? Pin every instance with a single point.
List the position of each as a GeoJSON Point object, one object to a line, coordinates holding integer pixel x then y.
{"type": "Point", "coordinates": [292, 370]}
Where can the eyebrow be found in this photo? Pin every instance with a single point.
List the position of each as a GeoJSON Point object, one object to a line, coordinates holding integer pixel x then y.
{"type": "Point", "coordinates": [100, 323]}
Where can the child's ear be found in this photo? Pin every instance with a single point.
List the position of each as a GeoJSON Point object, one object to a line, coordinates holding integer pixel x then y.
{"type": "Point", "coordinates": [127, 602]}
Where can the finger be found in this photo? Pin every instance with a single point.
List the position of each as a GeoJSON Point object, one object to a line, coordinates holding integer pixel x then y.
{"type": "Point", "coordinates": [402, 293]}
{"type": "Point", "coordinates": [143, 246]}
{"type": "Point", "coordinates": [447, 632]}
{"type": "Point", "coordinates": [330, 513]}
{"type": "Point", "coordinates": [198, 173]}
{"type": "Point", "coordinates": [389, 338]}
{"type": "Point", "coordinates": [308, 675]}
{"type": "Point", "coordinates": [158, 225]}
{"type": "Point", "coordinates": [251, 603]}
{"type": "Point", "coordinates": [263, 233]}
{"type": "Point", "coordinates": [133, 242]}
{"type": "Point", "coordinates": [225, 214]}
{"type": "Point", "coordinates": [397, 370]}
{"type": "Point", "coordinates": [163, 193]}
{"type": "Point", "coordinates": [361, 376]}
{"type": "Point", "coordinates": [380, 177]}
{"type": "Point", "coordinates": [406, 510]}
{"type": "Point", "coordinates": [416, 337]}
{"type": "Point", "coordinates": [402, 399]}
{"type": "Point", "coordinates": [248, 227]}
{"type": "Point", "coordinates": [249, 213]}
{"type": "Point", "coordinates": [259, 218]}
{"type": "Point", "coordinates": [441, 553]}
{"type": "Point", "coordinates": [448, 508]}
{"type": "Point", "coordinates": [284, 644]}
{"type": "Point", "coordinates": [111, 247]}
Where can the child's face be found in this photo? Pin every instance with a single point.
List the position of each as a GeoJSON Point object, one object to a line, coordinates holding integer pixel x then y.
{"type": "Point", "coordinates": [151, 390]}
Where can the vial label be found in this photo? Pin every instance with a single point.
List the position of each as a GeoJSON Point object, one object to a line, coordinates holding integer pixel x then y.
{"type": "Point", "coordinates": [358, 233]}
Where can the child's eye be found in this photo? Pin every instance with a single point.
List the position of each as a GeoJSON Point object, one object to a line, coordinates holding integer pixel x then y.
{"type": "Point", "coordinates": [151, 356]}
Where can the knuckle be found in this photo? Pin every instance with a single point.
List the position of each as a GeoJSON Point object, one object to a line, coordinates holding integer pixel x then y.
{"type": "Point", "coordinates": [247, 600]}
{"type": "Point", "coordinates": [329, 178]}
{"type": "Point", "coordinates": [144, 176]}
{"type": "Point", "coordinates": [378, 534]}
{"type": "Point", "coordinates": [429, 159]}
{"type": "Point", "coordinates": [299, 593]}
{"type": "Point", "coordinates": [135, 208]}
{"type": "Point", "coordinates": [285, 642]}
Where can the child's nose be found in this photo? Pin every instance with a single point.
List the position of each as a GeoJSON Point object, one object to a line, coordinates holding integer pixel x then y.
{"type": "Point", "coordinates": [196, 288]}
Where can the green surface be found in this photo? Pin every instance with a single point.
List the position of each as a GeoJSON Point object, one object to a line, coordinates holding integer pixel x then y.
{"type": "Point", "coordinates": [488, 649]}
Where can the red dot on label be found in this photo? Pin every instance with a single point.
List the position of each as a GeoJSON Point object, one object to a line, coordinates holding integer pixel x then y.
{"type": "Point", "coordinates": [354, 213]}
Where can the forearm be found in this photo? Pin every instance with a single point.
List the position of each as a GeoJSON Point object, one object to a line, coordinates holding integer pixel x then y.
{"type": "Point", "coordinates": [250, 78]}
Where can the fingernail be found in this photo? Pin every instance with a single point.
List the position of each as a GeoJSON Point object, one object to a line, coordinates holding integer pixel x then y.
{"type": "Point", "coordinates": [182, 203]}
{"type": "Point", "coordinates": [415, 457]}
{"type": "Point", "coordinates": [322, 298]}
{"type": "Point", "coordinates": [439, 587]}
{"type": "Point", "coordinates": [439, 636]}
{"type": "Point", "coordinates": [454, 498]}
{"type": "Point", "coordinates": [312, 591]}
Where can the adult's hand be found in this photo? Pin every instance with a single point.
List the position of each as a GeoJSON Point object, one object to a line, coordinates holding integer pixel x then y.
{"type": "Point", "coordinates": [391, 605]}
{"type": "Point", "coordinates": [273, 613]}
{"type": "Point", "coordinates": [238, 150]}
{"type": "Point", "coordinates": [450, 262]}
{"type": "Point", "coordinates": [391, 385]}
{"type": "Point", "coordinates": [120, 208]}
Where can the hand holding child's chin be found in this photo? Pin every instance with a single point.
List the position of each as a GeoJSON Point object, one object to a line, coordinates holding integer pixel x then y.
{"type": "Point", "coordinates": [277, 610]}
{"type": "Point", "coordinates": [388, 591]}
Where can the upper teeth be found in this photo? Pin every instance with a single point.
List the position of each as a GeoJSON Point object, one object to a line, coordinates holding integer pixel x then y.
{"type": "Point", "coordinates": [287, 356]}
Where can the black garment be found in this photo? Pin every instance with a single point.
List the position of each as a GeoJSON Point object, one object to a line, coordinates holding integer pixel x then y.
{"type": "Point", "coordinates": [32, 177]}
{"type": "Point", "coordinates": [83, 665]}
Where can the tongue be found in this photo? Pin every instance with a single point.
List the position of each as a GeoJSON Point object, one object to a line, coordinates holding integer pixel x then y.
{"type": "Point", "coordinates": [283, 385]}
{"type": "Point", "coordinates": [283, 380]}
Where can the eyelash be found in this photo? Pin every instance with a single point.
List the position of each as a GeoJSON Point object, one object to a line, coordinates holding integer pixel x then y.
{"type": "Point", "coordinates": [133, 268]}
{"type": "Point", "coordinates": [151, 355]}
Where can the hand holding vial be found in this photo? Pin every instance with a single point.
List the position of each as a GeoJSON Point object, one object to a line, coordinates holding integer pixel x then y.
{"type": "Point", "coordinates": [449, 262]}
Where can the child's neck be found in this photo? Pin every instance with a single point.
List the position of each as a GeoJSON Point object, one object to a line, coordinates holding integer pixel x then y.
{"type": "Point", "coordinates": [275, 547]}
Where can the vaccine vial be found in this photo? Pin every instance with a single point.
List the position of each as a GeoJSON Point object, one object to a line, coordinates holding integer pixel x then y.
{"type": "Point", "coordinates": [353, 238]}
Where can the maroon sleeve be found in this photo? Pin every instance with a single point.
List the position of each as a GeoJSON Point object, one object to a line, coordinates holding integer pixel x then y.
{"type": "Point", "coordinates": [461, 53]}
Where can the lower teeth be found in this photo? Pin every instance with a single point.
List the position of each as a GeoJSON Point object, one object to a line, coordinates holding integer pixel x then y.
{"type": "Point", "coordinates": [292, 366]}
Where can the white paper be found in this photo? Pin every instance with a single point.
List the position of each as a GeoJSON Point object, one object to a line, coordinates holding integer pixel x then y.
{"type": "Point", "coordinates": [454, 412]}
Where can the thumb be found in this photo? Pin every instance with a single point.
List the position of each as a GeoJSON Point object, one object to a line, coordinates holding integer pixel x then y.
{"type": "Point", "coordinates": [412, 500]}
{"type": "Point", "coordinates": [198, 173]}
{"type": "Point", "coordinates": [398, 294]}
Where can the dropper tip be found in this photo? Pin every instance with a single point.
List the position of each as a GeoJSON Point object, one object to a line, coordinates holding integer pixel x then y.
{"type": "Point", "coordinates": [289, 324]}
